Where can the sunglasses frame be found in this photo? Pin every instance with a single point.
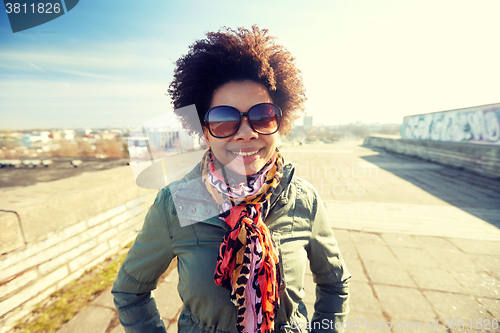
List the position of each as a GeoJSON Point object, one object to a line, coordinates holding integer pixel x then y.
{"type": "Point", "coordinates": [244, 114]}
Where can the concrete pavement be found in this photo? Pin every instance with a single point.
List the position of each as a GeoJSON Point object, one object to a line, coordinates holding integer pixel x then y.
{"type": "Point", "coordinates": [422, 242]}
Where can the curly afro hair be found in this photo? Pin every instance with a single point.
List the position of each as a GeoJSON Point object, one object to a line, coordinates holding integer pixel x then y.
{"type": "Point", "coordinates": [237, 55]}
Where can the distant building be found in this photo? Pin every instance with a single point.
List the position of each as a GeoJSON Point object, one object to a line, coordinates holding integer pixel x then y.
{"type": "Point", "coordinates": [69, 134]}
{"type": "Point", "coordinates": [308, 122]}
{"type": "Point", "coordinates": [36, 137]}
{"type": "Point", "coordinates": [169, 138]}
{"type": "Point", "coordinates": [55, 136]}
{"type": "Point", "coordinates": [109, 136]}
{"type": "Point", "coordinates": [159, 141]}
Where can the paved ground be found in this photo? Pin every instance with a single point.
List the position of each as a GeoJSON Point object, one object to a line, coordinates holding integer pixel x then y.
{"type": "Point", "coordinates": [61, 167]}
{"type": "Point", "coordinates": [422, 242]}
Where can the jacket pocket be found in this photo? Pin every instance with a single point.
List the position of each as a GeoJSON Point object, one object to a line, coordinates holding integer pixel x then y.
{"type": "Point", "coordinates": [276, 236]}
{"type": "Point", "coordinates": [207, 233]}
{"type": "Point", "coordinates": [297, 324]}
{"type": "Point", "coordinates": [188, 323]}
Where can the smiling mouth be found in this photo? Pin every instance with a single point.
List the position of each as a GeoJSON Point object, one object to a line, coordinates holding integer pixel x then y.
{"type": "Point", "coordinates": [244, 154]}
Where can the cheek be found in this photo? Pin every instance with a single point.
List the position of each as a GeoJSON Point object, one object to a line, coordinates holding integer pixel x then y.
{"type": "Point", "coordinates": [218, 147]}
{"type": "Point", "coordinates": [272, 140]}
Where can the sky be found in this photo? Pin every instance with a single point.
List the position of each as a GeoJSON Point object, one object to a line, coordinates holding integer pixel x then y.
{"type": "Point", "coordinates": [109, 63]}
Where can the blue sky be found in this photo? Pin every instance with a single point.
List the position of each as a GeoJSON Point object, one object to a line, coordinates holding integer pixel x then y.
{"type": "Point", "coordinates": [109, 63]}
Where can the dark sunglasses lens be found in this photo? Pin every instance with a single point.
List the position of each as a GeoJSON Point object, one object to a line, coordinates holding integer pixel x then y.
{"type": "Point", "coordinates": [223, 121]}
{"type": "Point", "coordinates": [264, 118]}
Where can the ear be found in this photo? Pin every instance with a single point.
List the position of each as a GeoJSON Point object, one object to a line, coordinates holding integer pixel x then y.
{"type": "Point", "coordinates": [207, 135]}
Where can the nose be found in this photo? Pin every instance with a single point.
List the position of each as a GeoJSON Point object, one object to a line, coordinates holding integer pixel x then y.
{"type": "Point", "coordinates": [245, 132]}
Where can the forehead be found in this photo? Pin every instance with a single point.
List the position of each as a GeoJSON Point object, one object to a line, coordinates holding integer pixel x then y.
{"type": "Point", "coordinates": [241, 95]}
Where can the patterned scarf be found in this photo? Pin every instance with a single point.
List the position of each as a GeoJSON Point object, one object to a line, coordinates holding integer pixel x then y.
{"type": "Point", "coordinates": [248, 260]}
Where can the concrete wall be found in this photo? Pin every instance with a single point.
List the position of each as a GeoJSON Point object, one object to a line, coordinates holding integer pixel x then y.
{"type": "Point", "coordinates": [480, 124]}
{"type": "Point", "coordinates": [96, 215]}
{"type": "Point", "coordinates": [481, 159]}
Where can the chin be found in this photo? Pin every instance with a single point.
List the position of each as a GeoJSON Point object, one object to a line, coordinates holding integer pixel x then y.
{"type": "Point", "coordinates": [246, 171]}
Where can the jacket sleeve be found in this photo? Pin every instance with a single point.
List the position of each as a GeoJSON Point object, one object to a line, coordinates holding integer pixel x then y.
{"type": "Point", "coordinates": [147, 259]}
{"type": "Point", "coordinates": [329, 273]}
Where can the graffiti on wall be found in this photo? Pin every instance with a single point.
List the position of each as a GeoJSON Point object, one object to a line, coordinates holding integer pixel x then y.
{"type": "Point", "coordinates": [475, 125]}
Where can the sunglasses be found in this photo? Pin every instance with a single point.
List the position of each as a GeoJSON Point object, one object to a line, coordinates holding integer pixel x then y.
{"type": "Point", "coordinates": [224, 121]}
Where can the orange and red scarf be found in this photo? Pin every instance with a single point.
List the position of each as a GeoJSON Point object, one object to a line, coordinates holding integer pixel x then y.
{"type": "Point", "coordinates": [248, 261]}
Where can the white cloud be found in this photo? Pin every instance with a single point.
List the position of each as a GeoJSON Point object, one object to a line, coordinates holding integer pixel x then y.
{"type": "Point", "coordinates": [85, 74]}
{"type": "Point", "coordinates": [36, 67]}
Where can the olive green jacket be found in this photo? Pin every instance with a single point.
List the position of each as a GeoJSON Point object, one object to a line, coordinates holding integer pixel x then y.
{"type": "Point", "coordinates": [177, 226]}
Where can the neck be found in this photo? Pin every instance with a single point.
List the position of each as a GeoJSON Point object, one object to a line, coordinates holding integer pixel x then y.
{"type": "Point", "coordinates": [236, 177]}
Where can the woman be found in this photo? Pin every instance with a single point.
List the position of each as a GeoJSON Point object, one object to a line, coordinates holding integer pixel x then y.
{"type": "Point", "coordinates": [241, 270]}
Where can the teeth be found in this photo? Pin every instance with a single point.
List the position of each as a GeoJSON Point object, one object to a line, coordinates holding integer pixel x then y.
{"type": "Point", "coordinates": [245, 154]}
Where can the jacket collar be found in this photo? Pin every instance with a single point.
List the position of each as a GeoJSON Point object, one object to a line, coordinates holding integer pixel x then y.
{"type": "Point", "coordinates": [192, 187]}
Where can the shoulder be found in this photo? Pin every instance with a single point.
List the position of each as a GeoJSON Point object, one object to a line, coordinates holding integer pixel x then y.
{"type": "Point", "coordinates": [305, 195]}
{"type": "Point", "coordinates": [193, 176]}
{"type": "Point", "coordinates": [304, 188]}
{"type": "Point", "coordinates": [164, 201]}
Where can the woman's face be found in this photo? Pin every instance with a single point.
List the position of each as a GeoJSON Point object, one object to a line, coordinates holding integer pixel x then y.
{"type": "Point", "coordinates": [242, 95]}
